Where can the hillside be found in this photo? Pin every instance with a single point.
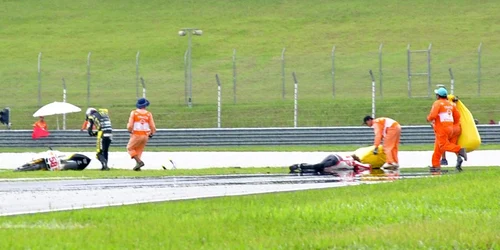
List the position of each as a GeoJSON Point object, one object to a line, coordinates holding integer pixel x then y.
{"type": "Point", "coordinates": [114, 31]}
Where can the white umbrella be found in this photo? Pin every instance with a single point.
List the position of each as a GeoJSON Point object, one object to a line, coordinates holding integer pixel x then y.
{"type": "Point", "coordinates": [56, 108]}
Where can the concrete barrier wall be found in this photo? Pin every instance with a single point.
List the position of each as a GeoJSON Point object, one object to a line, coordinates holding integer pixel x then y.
{"type": "Point", "coordinates": [237, 136]}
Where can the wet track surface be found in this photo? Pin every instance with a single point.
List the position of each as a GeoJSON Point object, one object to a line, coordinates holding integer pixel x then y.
{"type": "Point", "coordinates": [32, 196]}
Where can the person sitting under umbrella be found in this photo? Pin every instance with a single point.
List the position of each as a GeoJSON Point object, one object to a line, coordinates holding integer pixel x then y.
{"type": "Point", "coordinates": [41, 123]}
{"type": "Point", "coordinates": [40, 129]}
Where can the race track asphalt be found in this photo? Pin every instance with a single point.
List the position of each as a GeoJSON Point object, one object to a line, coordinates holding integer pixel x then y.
{"type": "Point", "coordinates": [23, 196]}
{"type": "Point", "coordinates": [34, 196]}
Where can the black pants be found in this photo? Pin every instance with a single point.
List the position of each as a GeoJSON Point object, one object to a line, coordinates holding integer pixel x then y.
{"type": "Point", "coordinates": [103, 143]}
{"type": "Point", "coordinates": [330, 160]}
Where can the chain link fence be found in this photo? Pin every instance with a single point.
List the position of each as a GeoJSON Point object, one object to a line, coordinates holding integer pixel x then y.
{"type": "Point", "coordinates": [334, 87]}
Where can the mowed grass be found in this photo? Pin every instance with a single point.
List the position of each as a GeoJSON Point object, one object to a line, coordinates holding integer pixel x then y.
{"type": "Point", "coordinates": [114, 31]}
{"type": "Point", "coordinates": [451, 211]}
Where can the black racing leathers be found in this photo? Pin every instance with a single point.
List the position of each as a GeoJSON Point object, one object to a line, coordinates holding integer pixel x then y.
{"type": "Point", "coordinates": [104, 134]}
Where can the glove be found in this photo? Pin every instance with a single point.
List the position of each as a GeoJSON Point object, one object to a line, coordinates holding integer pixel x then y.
{"type": "Point", "coordinates": [375, 151]}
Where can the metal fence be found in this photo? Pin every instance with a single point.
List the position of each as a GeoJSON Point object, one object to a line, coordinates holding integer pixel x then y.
{"type": "Point", "coordinates": [238, 137]}
{"type": "Point", "coordinates": [472, 72]}
{"type": "Point", "coordinates": [326, 76]}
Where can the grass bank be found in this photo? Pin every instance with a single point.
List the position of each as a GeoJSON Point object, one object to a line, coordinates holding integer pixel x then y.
{"type": "Point", "coordinates": [113, 32]}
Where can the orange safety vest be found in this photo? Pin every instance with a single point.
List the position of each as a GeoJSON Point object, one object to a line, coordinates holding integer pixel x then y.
{"type": "Point", "coordinates": [380, 126]}
{"type": "Point", "coordinates": [40, 124]}
{"type": "Point", "coordinates": [141, 122]}
{"type": "Point", "coordinates": [456, 122]}
{"type": "Point", "coordinates": [443, 114]}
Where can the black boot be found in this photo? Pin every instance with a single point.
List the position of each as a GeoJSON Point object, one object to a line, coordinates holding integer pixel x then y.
{"type": "Point", "coordinates": [294, 168]}
{"type": "Point", "coordinates": [435, 169]}
{"type": "Point", "coordinates": [463, 153]}
{"type": "Point", "coordinates": [138, 166]}
{"type": "Point", "coordinates": [105, 167]}
{"type": "Point", "coordinates": [459, 164]}
{"type": "Point", "coordinates": [103, 161]}
{"type": "Point", "coordinates": [304, 168]}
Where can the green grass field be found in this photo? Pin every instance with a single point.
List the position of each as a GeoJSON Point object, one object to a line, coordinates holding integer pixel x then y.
{"type": "Point", "coordinates": [114, 31]}
{"type": "Point", "coordinates": [447, 212]}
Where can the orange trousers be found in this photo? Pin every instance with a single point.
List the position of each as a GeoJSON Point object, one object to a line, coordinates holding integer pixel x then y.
{"type": "Point", "coordinates": [136, 145]}
{"type": "Point", "coordinates": [457, 130]}
{"type": "Point", "coordinates": [391, 144]}
{"type": "Point", "coordinates": [443, 143]}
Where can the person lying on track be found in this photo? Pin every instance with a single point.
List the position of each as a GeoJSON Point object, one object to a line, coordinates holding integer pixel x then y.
{"type": "Point", "coordinates": [331, 164]}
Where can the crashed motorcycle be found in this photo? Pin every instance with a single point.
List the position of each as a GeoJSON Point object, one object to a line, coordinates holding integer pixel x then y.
{"type": "Point", "coordinates": [53, 160]}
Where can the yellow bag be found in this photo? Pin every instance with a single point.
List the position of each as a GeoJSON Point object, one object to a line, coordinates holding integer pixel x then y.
{"type": "Point", "coordinates": [366, 156]}
{"type": "Point", "coordinates": [470, 138]}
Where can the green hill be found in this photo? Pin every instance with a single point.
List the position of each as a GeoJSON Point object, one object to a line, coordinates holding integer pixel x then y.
{"type": "Point", "coordinates": [114, 31]}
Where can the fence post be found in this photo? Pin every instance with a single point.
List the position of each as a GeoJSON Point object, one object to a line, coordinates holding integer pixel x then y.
{"type": "Point", "coordinates": [452, 81]}
{"type": "Point", "coordinates": [218, 100]}
{"type": "Point", "coordinates": [333, 71]}
{"type": "Point", "coordinates": [234, 76]}
{"type": "Point", "coordinates": [373, 93]}
{"type": "Point", "coordinates": [143, 87]}
{"type": "Point", "coordinates": [429, 86]}
{"type": "Point", "coordinates": [409, 69]}
{"type": "Point", "coordinates": [380, 68]}
{"type": "Point", "coordinates": [479, 51]}
{"type": "Point", "coordinates": [185, 78]}
{"type": "Point", "coordinates": [64, 100]}
{"type": "Point", "coordinates": [137, 74]}
{"type": "Point", "coordinates": [283, 73]}
{"type": "Point", "coordinates": [40, 79]}
{"type": "Point", "coordinates": [88, 79]}
{"type": "Point", "coordinates": [295, 99]}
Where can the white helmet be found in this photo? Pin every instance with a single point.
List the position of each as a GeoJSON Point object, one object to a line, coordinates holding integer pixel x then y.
{"type": "Point", "coordinates": [90, 111]}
